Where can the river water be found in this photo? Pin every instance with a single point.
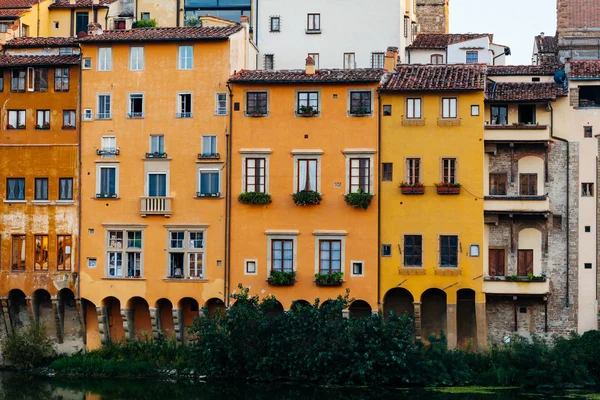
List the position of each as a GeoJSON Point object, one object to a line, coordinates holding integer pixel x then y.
{"type": "Point", "coordinates": [19, 386]}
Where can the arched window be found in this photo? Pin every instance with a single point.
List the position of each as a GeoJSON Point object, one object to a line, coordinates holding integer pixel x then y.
{"type": "Point", "coordinates": [437, 59]}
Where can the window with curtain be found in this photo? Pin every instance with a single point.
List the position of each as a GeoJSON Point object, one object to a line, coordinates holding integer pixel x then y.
{"type": "Point", "coordinates": [186, 54]}
{"type": "Point", "coordinates": [63, 249]}
{"type": "Point", "coordinates": [104, 106]}
{"type": "Point", "coordinates": [17, 80]}
{"type": "Point", "coordinates": [18, 252]}
{"type": "Point", "coordinates": [307, 175]}
{"type": "Point", "coordinates": [449, 108]}
{"type": "Point", "coordinates": [157, 144]}
{"type": "Point", "coordinates": [15, 189]}
{"type": "Point", "coordinates": [449, 170]}
{"type": "Point", "coordinates": [108, 177]}
{"type": "Point", "coordinates": [209, 183]}
{"type": "Point", "coordinates": [61, 80]}
{"type": "Point", "coordinates": [65, 189]}
{"type": "Point", "coordinates": [41, 253]}
{"type": "Point", "coordinates": [413, 108]}
{"type": "Point", "coordinates": [413, 170]}
{"type": "Point", "coordinates": [157, 185]}
{"type": "Point", "coordinates": [360, 175]}
{"type": "Point", "coordinates": [42, 119]}
{"type": "Point", "coordinates": [104, 59]}
{"type": "Point", "coordinates": [68, 119]}
{"type": "Point", "coordinates": [136, 58]}
{"type": "Point", "coordinates": [41, 189]}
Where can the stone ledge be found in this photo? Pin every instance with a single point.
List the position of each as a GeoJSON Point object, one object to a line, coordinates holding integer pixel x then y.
{"type": "Point", "coordinates": [412, 271]}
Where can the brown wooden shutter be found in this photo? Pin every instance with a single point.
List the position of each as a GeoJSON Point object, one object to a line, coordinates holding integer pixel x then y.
{"type": "Point", "coordinates": [523, 185]}
{"type": "Point", "coordinates": [529, 259]}
{"type": "Point", "coordinates": [533, 184]}
{"type": "Point", "coordinates": [493, 262]}
{"type": "Point", "coordinates": [521, 266]}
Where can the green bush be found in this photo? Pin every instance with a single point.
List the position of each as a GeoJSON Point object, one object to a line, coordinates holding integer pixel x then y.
{"type": "Point", "coordinates": [145, 23]}
{"type": "Point", "coordinates": [28, 347]}
{"type": "Point", "coordinates": [334, 277]}
{"type": "Point", "coordinates": [257, 198]}
{"type": "Point", "coordinates": [193, 21]}
{"type": "Point", "coordinates": [307, 197]}
{"type": "Point", "coordinates": [359, 199]}
{"type": "Point", "coordinates": [281, 278]}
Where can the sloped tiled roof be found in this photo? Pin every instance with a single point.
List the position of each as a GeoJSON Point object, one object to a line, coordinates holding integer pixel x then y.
{"type": "Point", "coordinates": [22, 61]}
{"type": "Point", "coordinates": [546, 44]}
{"type": "Point", "coordinates": [4, 4]}
{"type": "Point", "coordinates": [440, 41]}
{"type": "Point", "coordinates": [25, 41]}
{"type": "Point", "coordinates": [165, 34]}
{"type": "Point", "coordinates": [537, 70]}
{"type": "Point", "coordinates": [299, 76]}
{"type": "Point", "coordinates": [12, 13]}
{"type": "Point", "coordinates": [522, 91]}
{"type": "Point", "coordinates": [455, 77]}
{"type": "Point", "coordinates": [81, 4]}
{"type": "Point", "coordinates": [585, 69]}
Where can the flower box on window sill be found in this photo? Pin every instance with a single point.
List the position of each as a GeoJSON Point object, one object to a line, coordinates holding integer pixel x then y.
{"type": "Point", "coordinates": [198, 194]}
{"type": "Point", "coordinates": [44, 127]}
{"type": "Point", "coordinates": [360, 113]}
{"type": "Point", "coordinates": [307, 197]}
{"type": "Point", "coordinates": [256, 114]}
{"type": "Point", "coordinates": [332, 279]}
{"type": "Point", "coordinates": [282, 278]}
{"type": "Point", "coordinates": [255, 198]}
{"type": "Point", "coordinates": [135, 277]}
{"type": "Point", "coordinates": [516, 278]}
{"type": "Point", "coordinates": [107, 152]}
{"type": "Point", "coordinates": [156, 154]}
{"type": "Point", "coordinates": [9, 126]}
{"type": "Point", "coordinates": [416, 188]}
{"type": "Point", "coordinates": [307, 114]}
{"type": "Point", "coordinates": [448, 188]}
{"type": "Point", "coordinates": [359, 199]}
{"type": "Point", "coordinates": [68, 127]}
{"type": "Point", "coordinates": [209, 156]}
{"type": "Point", "coordinates": [184, 115]}
{"type": "Point", "coordinates": [136, 115]}
{"type": "Point", "coordinates": [106, 195]}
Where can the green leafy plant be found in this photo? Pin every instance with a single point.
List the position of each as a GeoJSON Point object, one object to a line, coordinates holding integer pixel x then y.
{"type": "Point", "coordinates": [307, 110]}
{"type": "Point", "coordinates": [448, 184]}
{"type": "Point", "coordinates": [407, 184]}
{"type": "Point", "coordinates": [360, 111]}
{"type": "Point", "coordinates": [359, 199]}
{"type": "Point", "coordinates": [330, 278]}
{"type": "Point", "coordinates": [254, 198]}
{"type": "Point", "coordinates": [282, 278]}
{"type": "Point", "coordinates": [146, 23]}
{"type": "Point", "coordinates": [307, 197]}
{"type": "Point", "coordinates": [27, 347]}
{"type": "Point", "coordinates": [193, 21]}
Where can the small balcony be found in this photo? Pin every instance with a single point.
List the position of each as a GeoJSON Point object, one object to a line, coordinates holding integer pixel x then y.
{"type": "Point", "coordinates": [526, 204]}
{"type": "Point", "coordinates": [135, 115]}
{"type": "Point", "coordinates": [156, 154]}
{"type": "Point", "coordinates": [108, 152]}
{"type": "Point", "coordinates": [155, 206]}
{"type": "Point", "coordinates": [501, 285]}
{"type": "Point", "coordinates": [184, 115]}
{"type": "Point", "coordinates": [104, 116]}
{"type": "Point", "coordinates": [209, 156]}
{"type": "Point", "coordinates": [515, 133]}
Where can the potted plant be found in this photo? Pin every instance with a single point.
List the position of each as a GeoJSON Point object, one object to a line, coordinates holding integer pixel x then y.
{"type": "Point", "coordinates": [307, 197]}
{"type": "Point", "coordinates": [359, 199]}
{"type": "Point", "coordinates": [68, 126]}
{"type": "Point", "coordinates": [307, 111]}
{"type": "Point", "coordinates": [22, 126]}
{"type": "Point", "coordinates": [330, 279]}
{"type": "Point", "coordinates": [282, 278]}
{"type": "Point", "coordinates": [9, 126]}
{"type": "Point", "coordinates": [412, 188]}
{"type": "Point", "coordinates": [254, 198]}
{"type": "Point", "coordinates": [256, 113]}
{"type": "Point", "coordinates": [448, 188]}
{"type": "Point", "coordinates": [209, 155]}
{"type": "Point", "coordinates": [360, 112]}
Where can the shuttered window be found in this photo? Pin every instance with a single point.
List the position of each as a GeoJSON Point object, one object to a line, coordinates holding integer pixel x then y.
{"type": "Point", "coordinates": [496, 263]}
{"type": "Point", "coordinates": [525, 263]}
{"type": "Point", "coordinates": [529, 185]}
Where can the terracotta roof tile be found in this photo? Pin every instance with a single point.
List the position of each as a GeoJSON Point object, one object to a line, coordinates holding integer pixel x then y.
{"type": "Point", "coordinates": [585, 69]}
{"type": "Point", "coordinates": [522, 91]}
{"type": "Point", "coordinates": [22, 61]}
{"type": "Point", "coordinates": [299, 76]}
{"type": "Point", "coordinates": [165, 34]}
{"type": "Point", "coordinates": [546, 44]}
{"type": "Point", "coordinates": [452, 77]}
{"type": "Point", "coordinates": [538, 70]}
{"type": "Point", "coordinates": [12, 13]}
{"type": "Point", "coordinates": [80, 4]}
{"type": "Point", "coordinates": [24, 41]}
{"type": "Point", "coordinates": [440, 41]}
{"type": "Point", "coordinates": [17, 3]}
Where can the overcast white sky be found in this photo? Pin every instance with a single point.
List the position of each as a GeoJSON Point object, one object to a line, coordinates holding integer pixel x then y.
{"type": "Point", "coordinates": [514, 23]}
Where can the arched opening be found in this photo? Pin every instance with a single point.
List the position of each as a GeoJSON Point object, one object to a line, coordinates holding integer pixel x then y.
{"type": "Point", "coordinates": [360, 309]}
{"type": "Point", "coordinates": [43, 313]}
{"type": "Point", "coordinates": [466, 320]}
{"type": "Point", "coordinates": [214, 304]}
{"type": "Point", "coordinates": [92, 338]}
{"type": "Point", "coordinates": [275, 309]}
{"type": "Point", "coordinates": [529, 257]}
{"type": "Point", "coordinates": [68, 316]}
{"type": "Point", "coordinates": [433, 313]}
{"type": "Point", "coordinates": [531, 176]}
{"type": "Point", "coordinates": [189, 309]}
{"type": "Point", "coordinates": [398, 301]}
{"type": "Point", "coordinates": [332, 309]}
{"type": "Point", "coordinates": [298, 305]}
{"type": "Point", "coordinates": [17, 309]}
{"type": "Point", "coordinates": [140, 312]}
{"type": "Point", "coordinates": [164, 309]}
{"type": "Point", "coordinates": [114, 319]}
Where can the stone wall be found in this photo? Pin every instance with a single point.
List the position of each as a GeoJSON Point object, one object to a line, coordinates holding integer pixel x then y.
{"type": "Point", "coordinates": [432, 16]}
{"type": "Point", "coordinates": [578, 23]}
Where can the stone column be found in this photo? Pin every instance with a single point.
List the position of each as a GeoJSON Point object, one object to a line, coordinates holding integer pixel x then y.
{"type": "Point", "coordinates": [178, 324]}
{"type": "Point", "coordinates": [480, 317]}
{"type": "Point", "coordinates": [31, 306]}
{"type": "Point", "coordinates": [127, 316]}
{"type": "Point", "coordinates": [103, 326]}
{"type": "Point", "coordinates": [417, 306]}
{"type": "Point", "coordinates": [346, 314]}
{"type": "Point", "coordinates": [374, 312]}
{"type": "Point", "coordinates": [155, 320]}
{"type": "Point", "coordinates": [451, 333]}
{"type": "Point", "coordinates": [57, 306]}
{"type": "Point", "coordinates": [7, 323]}
{"type": "Point", "coordinates": [81, 321]}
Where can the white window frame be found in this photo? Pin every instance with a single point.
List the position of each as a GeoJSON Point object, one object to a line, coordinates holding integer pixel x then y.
{"type": "Point", "coordinates": [104, 59]}
{"type": "Point", "coordinates": [307, 155]}
{"type": "Point", "coordinates": [130, 108]}
{"type": "Point", "coordinates": [330, 235]}
{"type": "Point", "coordinates": [220, 111]}
{"type": "Point", "coordinates": [251, 260]}
{"type": "Point", "coordinates": [216, 142]}
{"type": "Point", "coordinates": [443, 161]}
{"type": "Point", "coordinates": [124, 250]}
{"type": "Point", "coordinates": [187, 250]}
{"type": "Point", "coordinates": [255, 153]}
{"type": "Point", "coordinates": [136, 58]}
{"type": "Point", "coordinates": [105, 115]}
{"type": "Point", "coordinates": [407, 170]}
{"type": "Point", "coordinates": [112, 150]}
{"type": "Point", "coordinates": [360, 153]}
{"type": "Point", "coordinates": [86, 63]}
{"type": "Point", "coordinates": [351, 266]}
{"type": "Point", "coordinates": [107, 165]}
{"type": "Point", "coordinates": [316, 59]}
{"type": "Point", "coordinates": [281, 235]}
{"type": "Point", "coordinates": [350, 60]}
{"type": "Point", "coordinates": [208, 168]}
{"type": "Point", "coordinates": [147, 181]}
{"type": "Point", "coordinates": [447, 107]}
{"type": "Point", "coordinates": [21, 116]}
{"type": "Point", "coordinates": [410, 111]}
{"type": "Point", "coordinates": [184, 59]}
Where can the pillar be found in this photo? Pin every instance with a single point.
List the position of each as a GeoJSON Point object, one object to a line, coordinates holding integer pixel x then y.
{"type": "Point", "coordinates": [31, 310]}
{"type": "Point", "coordinates": [451, 332]}
{"type": "Point", "coordinates": [7, 324]}
{"type": "Point", "coordinates": [57, 307]}
{"type": "Point", "coordinates": [155, 320]}
{"type": "Point", "coordinates": [480, 317]}
{"type": "Point", "coordinates": [81, 321]}
{"type": "Point", "coordinates": [103, 326]}
{"type": "Point", "coordinates": [374, 312]}
{"type": "Point", "coordinates": [127, 316]}
{"type": "Point", "coordinates": [346, 314]}
{"type": "Point", "coordinates": [417, 306]}
{"type": "Point", "coordinates": [178, 324]}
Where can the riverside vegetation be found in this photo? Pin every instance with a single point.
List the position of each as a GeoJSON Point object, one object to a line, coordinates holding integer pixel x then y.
{"type": "Point", "coordinates": [313, 343]}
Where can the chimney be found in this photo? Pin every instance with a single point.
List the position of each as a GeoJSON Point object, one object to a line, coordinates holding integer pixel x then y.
{"type": "Point", "coordinates": [95, 29]}
{"type": "Point", "coordinates": [310, 66]}
{"type": "Point", "coordinates": [391, 58]}
{"type": "Point", "coordinates": [244, 19]}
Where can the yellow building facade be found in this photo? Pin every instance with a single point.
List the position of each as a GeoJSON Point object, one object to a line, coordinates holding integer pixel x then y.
{"type": "Point", "coordinates": [431, 210]}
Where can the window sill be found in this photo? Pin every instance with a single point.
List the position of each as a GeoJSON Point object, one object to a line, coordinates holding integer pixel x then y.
{"type": "Point", "coordinates": [109, 278]}
{"type": "Point", "coordinates": [156, 159]}
{"type": "Point", "coordinates": [40, 202]}
{"type": "Point", "coordinates": [64, 202]}
{"type": "Point", "coordinates": [515, 198]}
{"type": "Point", "coordinates": [209, 197]}
{"type": "Point", "coordinates": [449, 122]}
{"type": "Point", "coordinates": [186, 280]}
{"type": "Point", "coordinates": [412, 271]}
{"type": "Point", "coordinates": [307, 115]}
{"type": "Point", "coordinates": [106, 198]}
{"type": "Point", "coordinates": [256, 115]}
{"type": "Point", "coordinates": [15, 201]}
{"type": "Point", "coordinates": [448, 271]}
{"type": "Point", "coordinates": [351, 115]}
{"type": "Point", "coordinates": [515, 279]}
{"type": "Point", "coordinates": [413, 122]}
{"type": "Point", "coordinates": [312, 31]}
{"type": "Point", "coordinates": [18, 270]}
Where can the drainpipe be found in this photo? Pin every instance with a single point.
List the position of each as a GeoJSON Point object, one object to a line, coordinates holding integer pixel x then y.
{"type": "Point", "coordinates": [228, 145]}
{"type": "Point", "coordinates": [38, 19]}
{"type": "Point", "coordinates": [380, 112]}
{"type": "Point", "coordinates": [256, 26]}
{"type": "Point", "coordinates": [78, 119]}
{"type": "Point", "coordinates": [178, 12]}
{"type": "Point", "coordinates": [568, 196]}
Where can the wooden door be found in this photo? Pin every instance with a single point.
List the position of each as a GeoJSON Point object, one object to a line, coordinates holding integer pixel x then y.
{"type": "Point", "coordinates": [496, 262]}
{"type": "Point", "coordinates": [525, 263]}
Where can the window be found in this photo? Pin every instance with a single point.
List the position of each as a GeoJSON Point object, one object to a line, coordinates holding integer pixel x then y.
{"type": "Point", "coordinates": [387, 172]}
{"type": "Point", "coordinates": [386, 250]}
{"type": "Point", "coordinates": [282, 255]}
{"type": "Point", "coordinates": [588, 229]}
{"type": "Point", "coordinates": [308, 102]}
{"type": "Point", "coordinates": [496, 264]}
{"type": "Point", "coordinates": [413, 109]}
{"type": "Point", "coordinates": [349, 61]}
{"type": "Point", "coordinates": [313, 22]}
{"type": "Point", "coordinates": [108, 182]}
{"type": "Point", "coordinates": [528, 184]}
{"type": "Point", "coordinates": [105, 59]}
{"type": "Point", "coordinates": [377, 60]}
{"type": "Point", "coordinates": [587, 265]}
{"type": "Point", "coordinates": [315, 56]}
{"type": "Point", "coordinates": [527, 113]}
{"type": "Point", "coordinates": [68, 119]}
{"type": "Point", "coordinates": [587, 131]}
{"type": "Point", "coordinates": [87, 63]}
{"type": "Point", "coordinates": [221, 104]}
{"type": "Point", "coordinates": [535, 79]}
{"type": "Point", "coordinates": [589, 96]}
{"type": "Point", "coordinates": [358, 268]}
{"type": "Point", "coordinates": [42, 120]}
{"type": "Point", "coordinates": [108, 146]}
{"type": "Point", "coordinates": [16, 119]}
{"type": "Point", "coordinates": [525, 262]}
{"type": "Point", "coordinates": [209, 145]}
{"type": "Point", "coordinates": [136, 105]}
{"type": "Point", "coordinates": [269, 61]}
{"type": "Point", "coordinates": [406, 26]}
{"type": "Point", "coordinates": [307, 174]}
{"type": "Point", "coordinates": [437, 59]}
{"type": "Point", "coordinates": [497, 184]}
{"type": "Point", "coordinates": [449, 170]}
{"type": "Point", "coordinates": [387, 110]}
{"type": "Point", "coordinates": [360, 103]}
{"type": "Point", "coordinates": [186, 254]}
{"type": "Point", "coordinates": [256, 103]}
{"type": "Point", "coordinates": [157, 184]}
{"type": "Point", "coordinates": [145, 16]}
{"type": "Point", "coordinates": [136, 58]}
{"type": "Point", "coordinates": [413, 251]}
{"type": "Point", "coordinates": [65, 189]}
{"type": "Point", "coordinates": [124, 253]}
{"type": "Point", "coordinates": [255, 173]}
{"type": "Point", "coordinates": [472, 57]}
{"type": "Point", "coordinates": [587, 190]}
{"type": "Point", "coordinates": [17, 80]}
{"type": "Point", "coordinates": [250, 267]}
{"type": "Point", "coordinates": [474, 111]}
{"type": "Point", "coordinates": [186, 54]}
{"type": "Point", "coordinates": [82, 20]}
{"type": "Point", "coordinates": [4, 27]}
{"type": "Point", "coordinates": [275, 24]}
{"type": "Point", "coordinates": [360, 175]}
{"type": "Point", "coordinates": [41, 189]}
{"type": "Point", "coordinates": [18, 252]}
{"type": "Point", "coordinates": [41, 253]}
{"type": "Point", "coordinates": [15, 188]}
{"type": "Point", "coordinates": [184, 105]}
{"type": "Point", "coordinates": [104, 107]}
{"type": "Point", "coordinates": [208, 183]}
{"type": "Point", "coordinates": [449, 251]}
{"type": "Point", "coordinates": [1, 81]}
{"type": "Point", "coordinates": [157, 144]}
{"type": "Point", "coordinates": [63, 252]}
{"type": "Point", "coordinates": [499, 115]}
{"type": "Point", "coordinates": [413, 170]}
{"type": "Point", "coordinates": [61, 79]}
{"type": "Point", "coordinates": [37, 79]}
{"type": "Point", "coordinates": [449, 108]}
{"type": "Point", "coordinates": [330, 256]}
